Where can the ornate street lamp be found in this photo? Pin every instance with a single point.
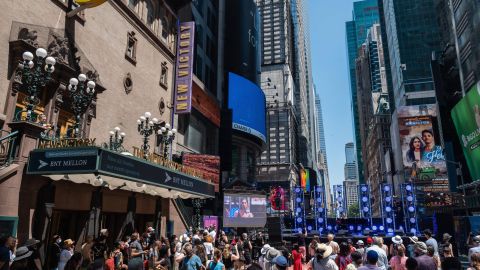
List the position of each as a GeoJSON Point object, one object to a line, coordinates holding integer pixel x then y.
{"type": "Point", "coordinates": [82, 94]}
{"type": "Point", "coordinates": [147, 127]}
{"type": "Point", "coordinates": [167, 136]}
{"type": "Point", "coordinates": [34, 78]}
{"type": "Point", "coordinates": [116, 140]}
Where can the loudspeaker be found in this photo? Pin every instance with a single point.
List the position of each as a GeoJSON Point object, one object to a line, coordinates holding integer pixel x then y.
{"type": "Point", "coordinates": [274, 228]}
{"type": "Point", "coordinates": [366, 232]}
{"type": "Point", "coordinates": [342, 232]}
{"type": "Point", "coordinates": [399, 232]}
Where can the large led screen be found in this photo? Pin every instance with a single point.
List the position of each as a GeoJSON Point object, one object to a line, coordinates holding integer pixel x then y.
{"type": "Point", "coordinates": [247, 102]}
{"type": "Point", "coordinates": [244, 210]}
{"type": "Point", "coordinates": [466, 117]}
{"type": "Point", "coordinates": [423, 157]}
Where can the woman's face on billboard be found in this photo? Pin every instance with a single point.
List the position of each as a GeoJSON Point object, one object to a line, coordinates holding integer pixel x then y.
{"type": "Point", "coordinates": [416, 143]}
{"type": "Point", "coordinates": [244, 204]}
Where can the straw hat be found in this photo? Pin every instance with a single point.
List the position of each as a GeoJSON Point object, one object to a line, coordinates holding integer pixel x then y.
{"type": "Point", "coordinates": [446, 237]}
{"type": "Point", "coordinates": [30, 242]}
{"type": "Point", "coordinates": [264, 249]}
{"type": "Point", "coordinates": [324, 250]}
{"type": "Point", "coordinates": [397, 240]}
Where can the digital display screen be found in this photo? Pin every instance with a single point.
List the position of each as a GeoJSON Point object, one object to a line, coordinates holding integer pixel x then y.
{"type": "Point", "coordinates": [244, 210]}
{"type": "Point", "coordinates": [248, 105]}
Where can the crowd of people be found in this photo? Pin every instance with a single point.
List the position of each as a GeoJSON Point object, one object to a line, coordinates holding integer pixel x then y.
{"type": "Point", "coordinates": [209, 250]}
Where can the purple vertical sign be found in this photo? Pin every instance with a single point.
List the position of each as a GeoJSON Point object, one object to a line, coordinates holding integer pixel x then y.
{"type": "Point", "coordinates": [183, 76]}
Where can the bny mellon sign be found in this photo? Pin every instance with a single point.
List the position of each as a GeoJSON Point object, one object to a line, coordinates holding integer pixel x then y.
{"type": "Point", "coordinates": [101, 161]}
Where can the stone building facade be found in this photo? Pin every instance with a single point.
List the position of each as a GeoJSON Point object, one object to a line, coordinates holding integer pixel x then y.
{"type": "Point", "coordinates": [128, 48]}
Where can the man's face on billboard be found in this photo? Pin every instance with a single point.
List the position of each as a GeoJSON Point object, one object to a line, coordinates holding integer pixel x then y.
{"type": "Point", "coordinates": [427, 137]}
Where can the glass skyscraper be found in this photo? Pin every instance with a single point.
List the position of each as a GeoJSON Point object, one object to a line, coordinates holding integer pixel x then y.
{"type": "Point", "coordinates": [365, 14]}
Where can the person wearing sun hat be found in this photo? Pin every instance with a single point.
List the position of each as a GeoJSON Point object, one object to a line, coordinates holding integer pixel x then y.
{"type": "Point", "coordinates": [411, 246]}
{"type": "Point", "coordinates": [66, 253]}
{"type": "Point", "coordinates": [322, 260]}
{"type": "Point", "coordinates": [22, 256]}
{"type": "Point", "coordinates": [424, 261]}
{"type": "Point", "coordinates": [34, 260]}
{"type": "Point", "coordinates": [397, 241]}
{"type": "Point", "coordinates": [445, 244]}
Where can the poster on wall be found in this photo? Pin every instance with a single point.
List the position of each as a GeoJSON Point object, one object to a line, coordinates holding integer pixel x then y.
{"type": "Point", "coordinates": [423, 158]}
{"type": "Point", "coordinates": [466, 117]}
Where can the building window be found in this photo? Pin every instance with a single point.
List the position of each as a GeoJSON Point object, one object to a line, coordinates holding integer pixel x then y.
{"type": "Point", "coordinates": [131, 51]}
{"type": "Point", "coordinates": [164, 29]}
{"type": "Point", "coordinates": [164, 76]}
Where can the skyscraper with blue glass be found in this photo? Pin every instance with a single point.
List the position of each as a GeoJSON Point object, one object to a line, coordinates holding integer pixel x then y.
{"type": "Point", "coordinates": [365, 14]}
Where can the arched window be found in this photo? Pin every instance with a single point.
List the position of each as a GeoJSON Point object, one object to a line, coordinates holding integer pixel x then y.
{"type": "Point", "coordinates": [165, 29]}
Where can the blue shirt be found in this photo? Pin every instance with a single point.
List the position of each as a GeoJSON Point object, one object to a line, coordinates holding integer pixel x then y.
{"type": "Point", "coordinates": [215, 266]}
{"type": "Point", "coordinates": [192, 263]}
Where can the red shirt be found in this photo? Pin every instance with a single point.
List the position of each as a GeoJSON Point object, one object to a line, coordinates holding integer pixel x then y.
{"type": "Point", "coordinates": [109, 264]}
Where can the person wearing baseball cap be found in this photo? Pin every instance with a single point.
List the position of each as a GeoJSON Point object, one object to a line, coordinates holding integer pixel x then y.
{"type": "Point", "coordinates": [382, 255]}
{"type": "Point", "coordinates": [372, 259]}
{"type": "Point", "coordinates": [280, 263]}
{"type": "Point", "coordinates": [360, 247]}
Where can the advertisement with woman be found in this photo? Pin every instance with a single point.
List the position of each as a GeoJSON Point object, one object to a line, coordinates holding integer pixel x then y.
{"type": "Point", "coordinates": [423, 156]}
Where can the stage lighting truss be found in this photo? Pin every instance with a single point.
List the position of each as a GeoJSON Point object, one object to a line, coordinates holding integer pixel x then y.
{"type": "Point", "coordinates": [364, 203]}
{"type": "Point", "coordinates": [409, 207]}
{"type": "Point", "coordinates": [339, 201]}
{"type": "Point", "coordinates": [320, 209]}
{"type": "Point", "coordinates": [388, 214]}
{"type": "Point", "coordinates": [298, 205]}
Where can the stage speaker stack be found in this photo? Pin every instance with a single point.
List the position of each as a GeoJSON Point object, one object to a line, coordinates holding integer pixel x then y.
{"type": "Point", "coordinates": [274, 228]}
{"type": "Point", "coordinates": [320, 210]}
{"type": "Point", "coordinates": [298, 206]}
{"type": "Point", "coordinates": [409, 208]}
{"type": "Point", "coordinates": [387, 209]}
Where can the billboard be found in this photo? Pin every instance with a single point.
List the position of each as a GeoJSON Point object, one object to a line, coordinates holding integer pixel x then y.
{"type": "Point", "coordinates": [466, 117]}
{"type": "Point", "coordinates": [242, 40]}
{"type": "Point", "coordinates": [184, 72]}
{"type": "Point", "coordinates": [244, 210]}
{"type": "Point", "coordinates": [423, 157]}
{"type": "Point", "coordinates": [248, 105]}
{"type": "Point", "coordinates": [207, 165]}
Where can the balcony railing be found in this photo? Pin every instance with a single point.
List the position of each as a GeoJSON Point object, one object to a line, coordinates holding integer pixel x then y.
{"type": "Point", "coordinates": [7, 146]}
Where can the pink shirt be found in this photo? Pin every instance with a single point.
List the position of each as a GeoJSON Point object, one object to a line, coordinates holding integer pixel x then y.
{"type": "Point", "coordinates": [398, 263]}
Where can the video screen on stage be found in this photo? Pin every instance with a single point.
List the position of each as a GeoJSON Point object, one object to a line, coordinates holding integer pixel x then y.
{"type": "Point", "coordinates": [244, 210]}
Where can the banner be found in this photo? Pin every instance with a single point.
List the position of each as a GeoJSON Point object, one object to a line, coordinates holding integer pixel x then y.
{"type": "Point", "coordinates": [184, 74]}
{"type": "Point", "coordinates": [466, 117]}
{"type": "Point", "coordinates": [278, 198]}
{"type": "Point", "coordinates": [423, 157]}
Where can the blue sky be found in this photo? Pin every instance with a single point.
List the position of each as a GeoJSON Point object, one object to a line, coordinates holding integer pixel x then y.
{"type": "Point", "coordinates": [330, 74]}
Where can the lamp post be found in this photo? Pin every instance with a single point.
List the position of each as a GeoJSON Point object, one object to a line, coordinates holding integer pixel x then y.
{"type": "Point", "coordinates": [82, 93]}
{"type": "Point", "coordinates": [146, 127]}
{"type": "Point", "coordinates": [116, 140]}
{"type": "Point", "coordinates": [167, 136]}
{"type": "Point", "coordinates": [34, 78]}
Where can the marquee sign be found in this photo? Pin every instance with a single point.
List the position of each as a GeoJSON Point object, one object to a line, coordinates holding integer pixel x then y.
{"type": "Point", "coordinates": [184, 73]}
{"type": "Point", "coordinates": [105, 162]}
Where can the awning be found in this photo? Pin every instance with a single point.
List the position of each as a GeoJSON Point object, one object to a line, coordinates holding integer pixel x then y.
{"type": "Point", "coordinates": [102, 167]}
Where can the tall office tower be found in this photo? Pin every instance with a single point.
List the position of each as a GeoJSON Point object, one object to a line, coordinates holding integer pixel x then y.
{"type": "Point", "coordinates": [304, 101]}
{"type": "Point", "coordinates": [350, 162]}
{"type": "Point", "coordinates": [351, 193]}
{"type": "Point", "coordinates": [277, 164]}
{"type": "Point", "coordinates": [412, 35]}
{"type": "Point", "coordinates": [374, 111]}
{"type": "Point", "coordinates": [286, 82]}
{"type": "Point", "coordinates": [460, 40]}
{"type": "Point", "coordinates": [365, 14]}
{"type": "Point", "coordinates": [322, 159]}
